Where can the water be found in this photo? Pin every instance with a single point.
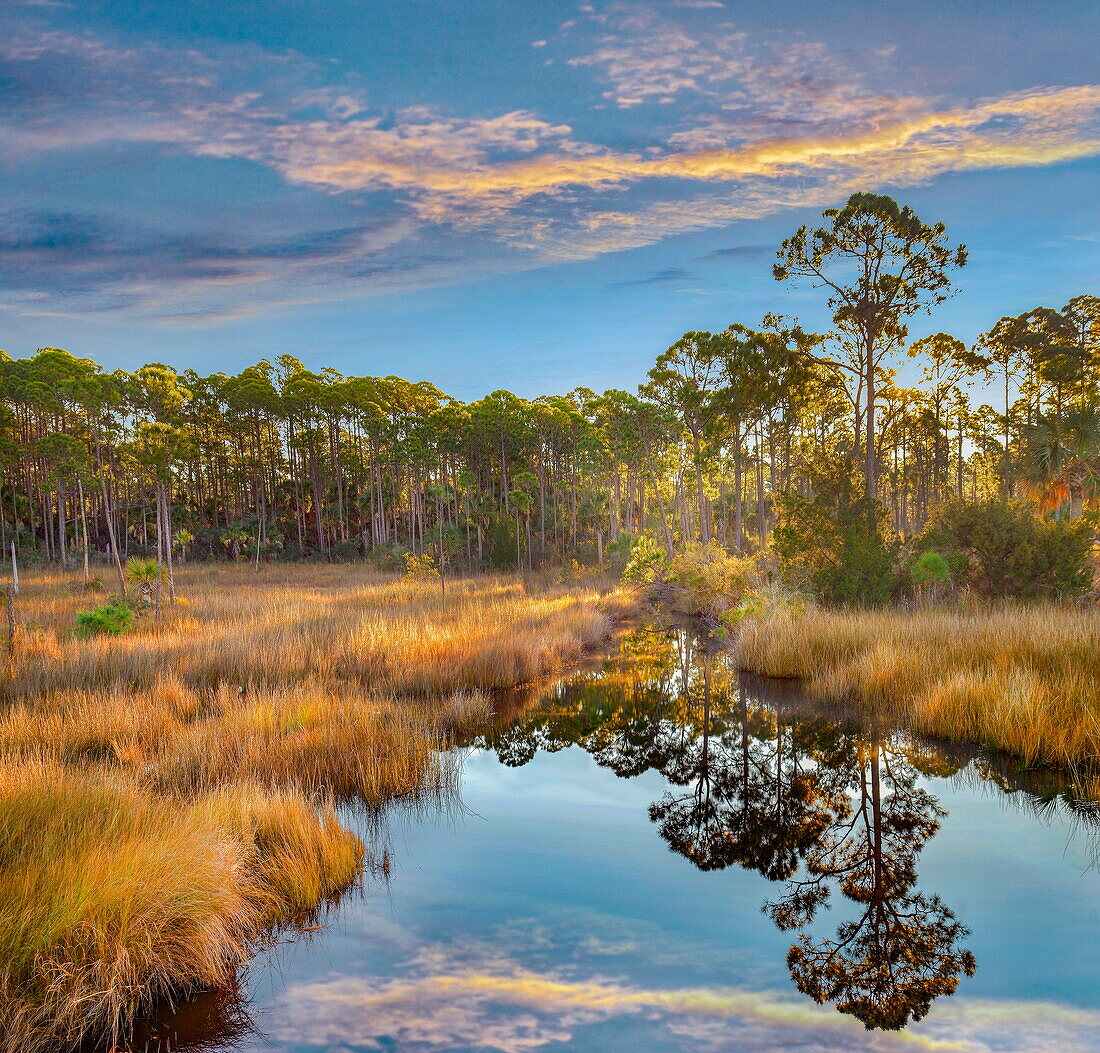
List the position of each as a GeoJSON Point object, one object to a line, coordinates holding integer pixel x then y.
{"type": "Point", "coordinates": [633, 855]}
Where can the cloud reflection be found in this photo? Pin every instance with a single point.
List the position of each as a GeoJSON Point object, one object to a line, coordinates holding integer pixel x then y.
{"type": "Point", "coordinates": [453, 1001]}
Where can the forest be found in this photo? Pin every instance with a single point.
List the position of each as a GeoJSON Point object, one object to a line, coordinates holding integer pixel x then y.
{"type": "Point", "coordinates": [769, 440]}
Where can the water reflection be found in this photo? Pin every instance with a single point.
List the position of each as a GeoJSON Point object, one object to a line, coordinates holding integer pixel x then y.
{"type": "Point", "coordinates": [211, 1022]}
{"type": "Point", "coordinates": [813, 802]}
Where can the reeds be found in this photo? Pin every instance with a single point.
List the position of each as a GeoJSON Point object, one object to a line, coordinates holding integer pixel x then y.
{"type": "Point", "coordinates": [169, 796]}
{"type": "Point", "coordinates": [1019, 679]}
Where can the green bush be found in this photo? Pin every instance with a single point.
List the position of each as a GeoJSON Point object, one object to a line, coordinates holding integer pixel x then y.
{"type": "Point", "coordinates": [930, 575]}
{"type": "Point", "coordinates": [112, 619]}
{"type": "Point", "coordinates": [645, 562]}
{"type": "Point", "coordinates": [390, 556]}
{"type": "Point", "coordinates": [706, 582]}
{"type": "Point", "coordinates": [1002, 550]}
{"type": "Point", "coordinates": [347, 550]}
{"type": "Point", "coordinates": [837, 542]}
{"type": "Point", "coordinates": [927, 568]}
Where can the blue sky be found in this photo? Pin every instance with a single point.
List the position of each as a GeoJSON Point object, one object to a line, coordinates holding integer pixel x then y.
{"type": "Point", "coordinates": [513, 193]}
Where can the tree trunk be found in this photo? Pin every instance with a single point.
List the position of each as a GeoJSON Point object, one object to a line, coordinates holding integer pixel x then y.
{"type": "Point", "coordinates": [166, 513]}
{"type": "Point", "coordinates": [61, 527]}
{"type": "Point", "coordinates": [870, 460]}
{"type": "Point", "coordinates": [112, 540]}
{"type": "Point", "coordinates": [738, 501]}
{"type": "Point", "coordinates": [84, 528]}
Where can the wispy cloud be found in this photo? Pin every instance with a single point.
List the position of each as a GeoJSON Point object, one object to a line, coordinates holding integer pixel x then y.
{"type": "Point", "coordinates": [644, 56]}
{"type": "Point", "coordinates": [661, 277]}
{"type": "Point", "coordinates": [748, 127]}
{"type": "Point", "coordinates": [96, 264]}
{"type": "Point", "coordinates": [737, 252]}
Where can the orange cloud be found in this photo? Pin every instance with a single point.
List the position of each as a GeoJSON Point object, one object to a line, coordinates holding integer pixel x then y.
{"type": "Point", "coordinates": [448, 174]}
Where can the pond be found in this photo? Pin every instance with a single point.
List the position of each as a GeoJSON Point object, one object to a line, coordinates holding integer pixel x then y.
{"type": "Point", "coordinates": [660, 854]}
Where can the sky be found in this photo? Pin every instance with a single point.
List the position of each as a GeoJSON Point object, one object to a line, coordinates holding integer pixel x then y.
{"type": "Point", "coordinates": [528, 194]}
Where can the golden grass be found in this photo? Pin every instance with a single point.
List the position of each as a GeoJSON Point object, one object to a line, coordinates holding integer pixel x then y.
{"type": "Point", "coordinates": [168, 796]}
{"type": "Point", "coordinates": [1020, 679]}
{"type": "Point", "coordinates": [286, 624]}
{"type": "Point", "coordinates": [111, 896]}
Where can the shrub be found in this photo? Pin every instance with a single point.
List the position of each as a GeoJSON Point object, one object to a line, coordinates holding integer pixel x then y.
{"type": "Point", "coordinates": [574, 570]}
{"type": "Point", "coordinates": [929, 573]}
{"type": "Point", "coordinates": [928, 567]}
{"type": "Point", "coordinates": [1001, 550]}
{"type": "Point", "coordinates": [620, 549]}
{"type": "Point", "coordinates": [706, 581]}
{"type": "Point", "coordinates": [837, 542]}
{"type": "Point", "coordinates": [348, 550]}
{"type": "Point", "coordinates": [420, 568]}
{"type": "Point", "coordinates": [644, 562]}
{"type": "Point", "coordinates": [390, 556]}
{"type": "Point", "coordinates": [112, 619]}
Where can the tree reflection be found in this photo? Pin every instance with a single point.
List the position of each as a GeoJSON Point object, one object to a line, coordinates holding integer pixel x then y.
{"type": "Point", "coordinates": [888, 964]}
{"type": "Point", "coordinates": [212, 1020]}
{"type": "Point", "coordinates": [805, 801]}
{"type": "Point", "coordinates": [749, 799]}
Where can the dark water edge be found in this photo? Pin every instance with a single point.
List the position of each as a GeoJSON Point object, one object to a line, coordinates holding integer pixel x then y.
{"type": "Point", "coordinates": [930, 892]}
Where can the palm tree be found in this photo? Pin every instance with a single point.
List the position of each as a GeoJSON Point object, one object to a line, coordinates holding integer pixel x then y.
{"type": "Point", "coordinates": [1062, 459]}
{"type": "Point", "coordinates": [147, 575]}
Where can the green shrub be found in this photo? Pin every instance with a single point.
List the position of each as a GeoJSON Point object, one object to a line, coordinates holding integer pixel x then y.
{"type": "Point", "coordinates": [347, 550]}
{"type": "Point", "coordinates": [1002, 550]}
{"type": "Point", "coordinates": [928, 567]}
{"type": "Point", "coordinates": [705, 581]}
{"type": "Point", "coordinates": [645, 562]}
{"type": "Point", "coordinates": [390, 556]}
{"type": "Point", "coordinates": [930, 575]}
{"type": "Point", "coordinates": [112, 619]}
{"type": "Point", "coordinates": [837, 542]}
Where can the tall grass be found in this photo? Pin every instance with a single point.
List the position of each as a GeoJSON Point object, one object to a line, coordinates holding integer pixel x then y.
{"type": "Point", "coordinates": [111, 896]}
{"type": "Point", "coordinates": [1023, 680]}
{"type": "Point", "coordinates": [286, 624]}
{"type": "Point", "coordinates": [168, 797]}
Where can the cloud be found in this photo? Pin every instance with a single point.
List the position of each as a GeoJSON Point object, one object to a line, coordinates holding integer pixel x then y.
{"type": "Point", "coordinates": [467, 171]}
{"type": "Point", "coordinates": [97, 263]}
{"type": "Point", "coordinates": [646, 57]}
{"type": "Point", "coordinates": [753, 127]}
{"type": "Point", "coordinates": [667, 274]}
{"type": "Point", "coordinates": [737, 252]}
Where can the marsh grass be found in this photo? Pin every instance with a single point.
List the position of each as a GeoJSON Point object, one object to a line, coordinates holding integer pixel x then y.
{"type": "Point", "coordinates": [168, 797]}
{"type": "Point", "coordinates": [287, 624]}
{"type": "Point", "coordinates": [114, 896]}
{"type": "Point", "coordinates": [1019, 679]}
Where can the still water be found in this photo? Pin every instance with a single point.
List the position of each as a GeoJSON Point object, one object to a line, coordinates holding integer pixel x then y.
{"type": "Point", "coordinates": [659, 854]}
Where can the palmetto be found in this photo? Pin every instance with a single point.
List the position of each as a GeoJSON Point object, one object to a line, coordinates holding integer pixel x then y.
{"type": "Point", "coordinates": [1062, 459]}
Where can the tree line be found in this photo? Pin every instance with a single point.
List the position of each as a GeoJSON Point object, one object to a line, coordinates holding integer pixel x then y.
{"type": "Point", "coordinates": [280, 461]}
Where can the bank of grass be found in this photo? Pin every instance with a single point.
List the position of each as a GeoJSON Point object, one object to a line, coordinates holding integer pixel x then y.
{"type": "Point", "coordinates": [167, 798]}
{"type": "Point", "coordinates": [1019, 679]}
{"type": "Point", "coordinates": [330, 623]}
{"type": "Point", "coordinates": [112, 896]}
